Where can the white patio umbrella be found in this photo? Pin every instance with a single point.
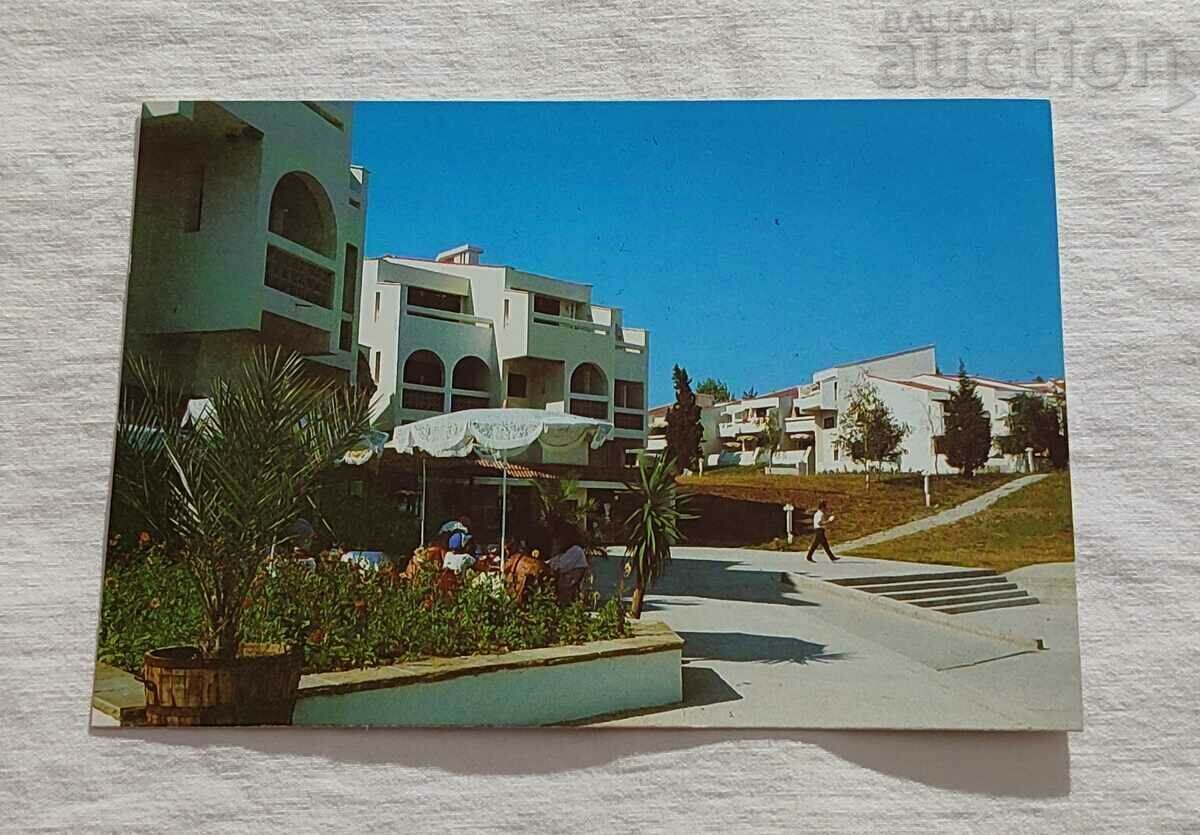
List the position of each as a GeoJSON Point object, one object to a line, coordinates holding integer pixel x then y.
{"type": "Point", "coordinates": [499, 434]}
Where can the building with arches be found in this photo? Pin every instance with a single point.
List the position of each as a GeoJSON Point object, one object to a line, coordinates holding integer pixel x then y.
{"type": "Point", "coordinates": [451, 333]}
{"type": "Point", "coordinates": [247, 230]}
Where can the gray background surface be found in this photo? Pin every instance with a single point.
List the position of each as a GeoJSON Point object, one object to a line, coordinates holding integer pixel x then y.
{"type": "Point", "coordinates": [1126, 144]}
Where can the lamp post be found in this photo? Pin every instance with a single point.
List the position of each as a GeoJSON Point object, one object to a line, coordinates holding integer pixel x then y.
{"type": "Point", "coordinates": [788, 508]}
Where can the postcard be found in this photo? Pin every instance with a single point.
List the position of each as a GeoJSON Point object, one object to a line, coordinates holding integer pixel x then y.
{"type": "Point", "coordinates": [649, 413]}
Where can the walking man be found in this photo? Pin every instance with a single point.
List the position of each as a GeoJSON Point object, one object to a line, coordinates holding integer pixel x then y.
{"type": "Point", "coordinates": [820, 519]}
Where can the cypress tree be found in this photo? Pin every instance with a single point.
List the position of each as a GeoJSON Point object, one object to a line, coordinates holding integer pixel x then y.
{"type": "Point", "coordinates": [968, 432]}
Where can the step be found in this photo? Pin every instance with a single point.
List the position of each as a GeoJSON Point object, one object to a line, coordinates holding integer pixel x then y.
{"type": "Point", "coordinates": [955, 592]}
{"type": "Point", "coordinates": [983, 607]}
{"type": "Point", "coordinates": [939, 602]}
{"type": "Point", "coordinates": [933, 584]}
{"type": "Point", "coordinates": [910, 578]}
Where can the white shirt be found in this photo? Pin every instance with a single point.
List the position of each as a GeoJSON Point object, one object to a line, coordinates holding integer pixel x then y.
{"type": "Point", "coordinates": [457, 562]}
{"type": "Point", "coordinates": [819, 519]}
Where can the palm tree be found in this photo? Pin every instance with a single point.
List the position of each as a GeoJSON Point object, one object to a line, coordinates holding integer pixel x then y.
{"type": "Point", "coordinates": [653, 527]}
{"type": "Point", "coordinates": [223, 493]}
{"type": "Point", "coordinates": [561, 506]}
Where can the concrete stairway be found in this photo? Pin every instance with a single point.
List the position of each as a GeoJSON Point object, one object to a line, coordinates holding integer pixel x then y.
{"type": "Point", "coordinates": [949, 592]}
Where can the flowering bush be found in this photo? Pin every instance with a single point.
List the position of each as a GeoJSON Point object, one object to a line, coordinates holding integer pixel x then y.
{"type": "Point", "coordinates": [345, 616]}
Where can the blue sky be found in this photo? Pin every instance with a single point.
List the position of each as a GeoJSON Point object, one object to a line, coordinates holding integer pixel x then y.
{"type": "Point", "coordinates": [757, 241]}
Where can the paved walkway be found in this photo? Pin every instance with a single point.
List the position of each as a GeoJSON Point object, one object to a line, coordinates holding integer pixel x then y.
{"type": "Point", "coordinates": [759, 653]}
{"type": "Point", "coordinates": [946, 517]}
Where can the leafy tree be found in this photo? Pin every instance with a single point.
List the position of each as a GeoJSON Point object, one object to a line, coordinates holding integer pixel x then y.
{"type": "Point", "coordinates": [968, 431]}
{"type": "Point", "coordinates": [750, 393]}
{"type": "Point", "coordinates": [1035, 422]}
{"type": "Point", "coordinates": [652, 529]}
{"type": "Point", "coordinates": [713, 386]}
{"type": "Point", "coordinates": [770, 436]}
{"type": "Point", "coordinates": [867, 431]}
{"type": "Point", "coordinates": [684, 431]}
{"type": "Point", "coordinates": [223, 494]}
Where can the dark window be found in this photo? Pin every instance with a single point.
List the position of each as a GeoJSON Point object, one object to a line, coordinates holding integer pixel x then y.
{"type": "Point", "coordinates": [624, 420]}
{"type": "Point", "coordinates": [518, 385]}
{"type": "Point", "coordinates": [828, 422]}
{"type": "Point", "coordinates": [462, 402]}
{"type": "Point", "coordinates": [547, 305]}
{"type": "Point", "coordinates": [292, 335]}
{"type": "Point", "coordinates": [588, 379]}
{"type": "Point", "coordinates": [471, 374]}
{"type": "Point", "coordinates": [420, 297]}
{"type": "Point", "coordinates": [378, 354]}
{"type": "Point", "coordinates": [302, 213]}
{"type": "Point", "coordinates": [589, 408]}
{"type": "Point", "coordinates": [350, 279]}
{"type": "Point", "coordinates": [346, 337]}
{"type": "Point", "coordinates": [628, 395]}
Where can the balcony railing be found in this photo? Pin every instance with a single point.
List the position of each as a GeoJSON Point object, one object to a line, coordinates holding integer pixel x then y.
{"type": "Point", "coordinates": [575, 324]}
{"type": "Point", "coordinates": [448, 316]}
{"type": "Point", "coordinates": [423, 399]}
{"type": "Point", "coordinates": [462, 402]}
{"type": "Point", "coordinates": [293, 275]}
{"type": "Point", "coordinates": [628, 420]}
{"type": "Point", "coordinates": [589, 408]}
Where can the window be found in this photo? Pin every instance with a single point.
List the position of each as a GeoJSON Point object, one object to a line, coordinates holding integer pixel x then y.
{"type": "Point", "coordinates": [547, 305]}
{"type": "Point", "coordinates": [624, 420]}
{"type": "Point", "coordinates": [420, 297]}
{"type": "Point", "coordinates": [346, 339]}
{"type": "Point", "coordinates": [828, 422]}
{"type": "Point", "coordinates": [836, 453]}
{"type": "Point", "coordinates": [507, 305]}
{"type": "Point", "coordinates": [350, 279]}
{"type": "Point", "coordinates": [378, 354]}
{"type": "Point", "coordinates": [377, 307]}
{"type": "Point", "coordinates": [835, 391]}
{"type": "Point", "coordinates": [518, 385]}
{"type": "Point", "coordinates": [628, 394]}
{"type": "Point", "coordinates": [588, 379]}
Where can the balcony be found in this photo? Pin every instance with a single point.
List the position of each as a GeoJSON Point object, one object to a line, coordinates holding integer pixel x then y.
{"type": "Point", "coordinates": [297, 277]}
{"type": "Point", "coordinates": [736, 428]}
{"type": "Point", "coordinates": [797, 424]}
{"type": "Point", "coordinates": [817, 399]}
{"type": "Point", "coordinates": [631, 419]}
{"type": "Point", "coordinates": [590, 407]}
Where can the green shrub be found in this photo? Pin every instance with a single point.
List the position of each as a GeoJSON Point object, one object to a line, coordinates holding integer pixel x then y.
{"type": "Point", "coordinates": [346, 617]}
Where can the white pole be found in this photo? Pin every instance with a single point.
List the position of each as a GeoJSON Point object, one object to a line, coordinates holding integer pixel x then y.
{"type": "Point", "coordinates": [503, 510]}
{"type": "Point", "coordinates": [423, 540]}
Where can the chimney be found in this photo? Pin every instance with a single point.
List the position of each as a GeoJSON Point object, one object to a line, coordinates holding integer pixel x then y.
{"type": "Point", "coordinates": [465, 254]}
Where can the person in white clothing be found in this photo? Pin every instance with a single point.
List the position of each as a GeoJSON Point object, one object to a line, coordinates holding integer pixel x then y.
{"type": "Point", "coordinates": [569, 567]}
{"type": "Point", "coordinates": [820, 520]}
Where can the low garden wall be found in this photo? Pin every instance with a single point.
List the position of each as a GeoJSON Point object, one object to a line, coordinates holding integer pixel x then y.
{"type": "Point", "coordinates": [545, 686]}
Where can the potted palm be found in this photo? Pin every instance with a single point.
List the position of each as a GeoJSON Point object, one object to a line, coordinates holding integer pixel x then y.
{"type": "Point", "coordinates": [652, 529]}
{"type": "Point", "coordinates": [221, 494]}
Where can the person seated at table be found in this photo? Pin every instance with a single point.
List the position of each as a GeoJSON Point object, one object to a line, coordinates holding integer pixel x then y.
{"type": "Point", "coordinates": [458, 556]}
{"type": "Point", "coordinates": [569, 567]}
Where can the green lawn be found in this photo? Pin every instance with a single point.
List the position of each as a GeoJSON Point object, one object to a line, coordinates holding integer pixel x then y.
{"type": "Point", "coordinates": [1029, 527]}
{"type": "Point", "coordinates": [890, 501]}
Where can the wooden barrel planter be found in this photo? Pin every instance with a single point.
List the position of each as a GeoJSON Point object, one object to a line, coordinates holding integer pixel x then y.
{"type": "Point", "coordinates": [257, 688]}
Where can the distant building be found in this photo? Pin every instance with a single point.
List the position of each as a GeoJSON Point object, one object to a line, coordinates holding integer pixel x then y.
{"type": "Point", "coordinates": [453, 333]}
{"type": "Point", "coordinates": [909, 384]}
{"type": "Point", "coordinates": [710, 441]}
{"type": "Point", "coordinates": [247, 230]}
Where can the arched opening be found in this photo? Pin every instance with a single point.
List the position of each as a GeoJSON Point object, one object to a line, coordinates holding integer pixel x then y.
{"type": "Point", "coordinates": [589, 392]}
{"type": "Point", "coordinates": [424, 377]}
{"type": "Point", "coordinates": [302, 212]}
{"type": "Point", "coordinates": [471, 374]}
{"type": "Point", "coordinates": [588, 379]}
{"type": "Point", "coordinates": [424, 368]}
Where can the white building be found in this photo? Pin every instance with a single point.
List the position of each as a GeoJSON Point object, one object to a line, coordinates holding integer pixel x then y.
{"type": "Point", "coordinates": [710, 440]}
{"type": "Point", "coordinates": [247, 229]}
{"type": "Point", "coordinates": [452, 333]}
{"type": "Point", "coordinates": [909, 384]}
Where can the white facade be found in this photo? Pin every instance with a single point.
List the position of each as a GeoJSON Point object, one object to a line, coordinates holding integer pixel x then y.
{"type": "Point", "coordinates": [710, 440]}
{"type": "Point", "coordinates": [247, 230]}
{"type": "Point", "coordinates": [452, 333]}
{"type": "Point", "coordinates": [909, 384]}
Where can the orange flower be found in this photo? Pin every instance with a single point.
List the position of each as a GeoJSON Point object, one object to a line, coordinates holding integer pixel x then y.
{"type": "Point", "coordinates": [144, 538]}
{"type": "Point", "coordinates": [317, 636]}
{"type": "Point", "coordinates": [360, 607]}
{"type": "Point", "coordinates": [154, 604]}
{"type": "Point", "coordinates": [247, 602]}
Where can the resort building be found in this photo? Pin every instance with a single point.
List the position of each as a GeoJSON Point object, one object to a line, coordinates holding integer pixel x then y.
{"type": "Point", "coordinates": [247, 230]}
{"type": "Point", "coordinates": [909, 384]}
{"type": "Point", "coordinates": [710, 441]}
{"type": "Point", "coordinates": [453, 333]}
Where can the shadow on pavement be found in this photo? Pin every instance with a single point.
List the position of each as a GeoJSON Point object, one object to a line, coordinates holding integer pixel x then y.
{"type": "Point", "coordinates": [716, 579]}
{"type": "Point", "coordinates": [766, 649]}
